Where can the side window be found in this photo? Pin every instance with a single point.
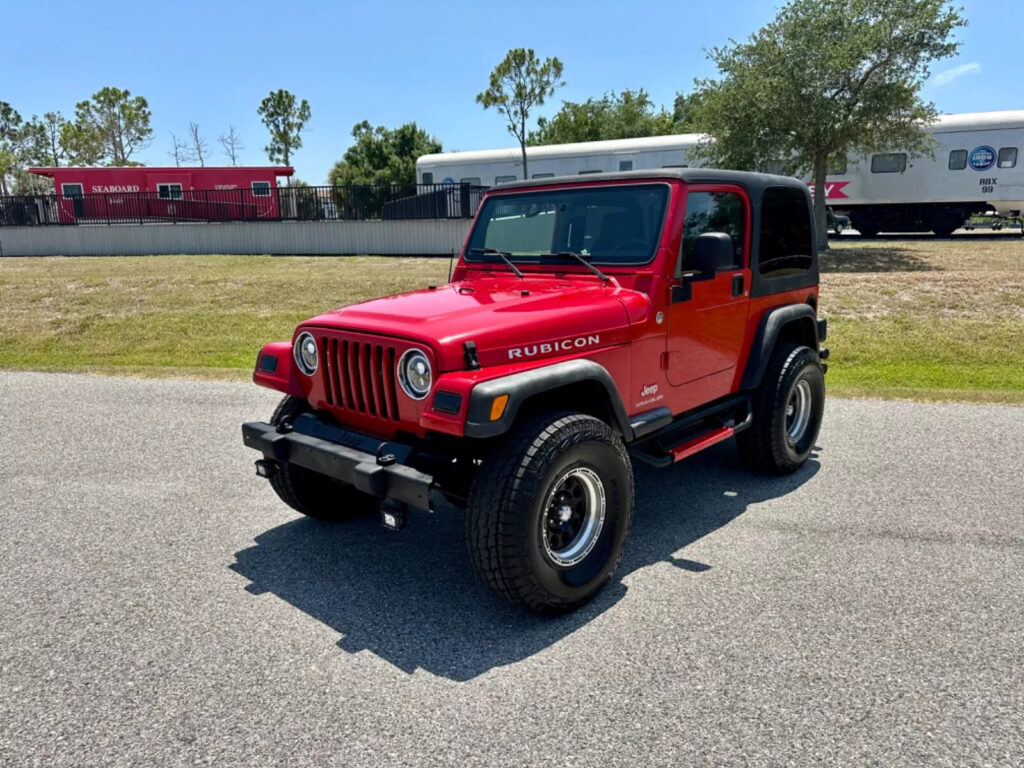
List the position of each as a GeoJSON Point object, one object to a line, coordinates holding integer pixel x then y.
{"type": "Point", "coordinates": [71, 190]}
{"type": "Point", "coordinates": [625, 165]}
{"type": "Point", "coordinates": [892, 162]}
{"type": "Point", "coordinates": [591, 171]}
{"type": "Point", "coordinates": [504, 179]}
{"type": "Point", "coordinates": [428, 177]}
{"type": "Point", "coordinates": [1007, 157]}
{"type": "Point", "coordinates": [261, 189]}
{"type": "Point", "coordinates": [473, 181]}
{"type": "Point", "coordinates": [836, 166]}
{"type": "Point", "coordinates": [957, 159]}
{"type": "Point", "coordinates": [787, 246]}
{"type": "Point", "coordinates": [168, 191]}
{"type": "Point", "coordinates": [542, 176]}
{"type": "Point", "coordinates": [713, 212]}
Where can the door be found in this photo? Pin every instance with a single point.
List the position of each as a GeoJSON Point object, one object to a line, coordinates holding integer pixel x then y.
{"type": "Point", "coordinates": [74, 193]}
{"type": "Point", "coordinates": [708, 312]}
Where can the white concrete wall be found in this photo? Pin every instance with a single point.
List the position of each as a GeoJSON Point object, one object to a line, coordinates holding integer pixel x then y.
{"type": "Point", "coordinates": [413, 237]}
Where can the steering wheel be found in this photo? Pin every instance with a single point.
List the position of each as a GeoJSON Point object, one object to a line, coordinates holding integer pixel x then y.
{"type": "Point", "coordinates": [631, 243]}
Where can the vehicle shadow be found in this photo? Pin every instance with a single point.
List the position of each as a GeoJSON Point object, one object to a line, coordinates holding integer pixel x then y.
{"type": "Point", "coordinates": [873, 258]}
{"type": "Point", "coordinates": [412, 598]}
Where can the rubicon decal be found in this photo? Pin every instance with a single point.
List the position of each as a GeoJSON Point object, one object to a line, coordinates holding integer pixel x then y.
{"type": "Point", "coordinates": [565, 345]}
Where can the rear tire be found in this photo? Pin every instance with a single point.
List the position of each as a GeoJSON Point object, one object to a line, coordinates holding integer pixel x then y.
{"type": "Point", "coordinates": [787, 411]}
{"type": "Point", "coordinates": [309, 492]}
{"type": "Point", "coordinates": [549, 512]}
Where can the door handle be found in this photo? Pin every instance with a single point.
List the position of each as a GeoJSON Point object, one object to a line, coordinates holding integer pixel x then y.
{"type": "Point", "coordinates": [737, 285]}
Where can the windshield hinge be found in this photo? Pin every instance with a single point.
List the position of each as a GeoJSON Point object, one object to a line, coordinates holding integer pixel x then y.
{"type": "Point", "coordinates": [470, 356]}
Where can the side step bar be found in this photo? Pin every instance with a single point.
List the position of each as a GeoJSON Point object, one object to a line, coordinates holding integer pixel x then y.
{"type": "Point", "coordinates": [694, 432]}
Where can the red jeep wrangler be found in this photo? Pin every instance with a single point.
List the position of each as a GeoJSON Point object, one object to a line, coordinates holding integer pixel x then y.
{"type": "Point", "coordinates": [589, 322]}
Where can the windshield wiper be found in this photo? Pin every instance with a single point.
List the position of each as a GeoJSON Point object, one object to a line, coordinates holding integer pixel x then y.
{"type": "Point", "coordinates": [503, 255]}
{"type": "Point", "coordinates": [584, 260]}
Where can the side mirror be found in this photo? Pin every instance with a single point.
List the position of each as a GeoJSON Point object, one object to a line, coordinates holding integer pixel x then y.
{"type": "Point", "coordinates": [713, 251]}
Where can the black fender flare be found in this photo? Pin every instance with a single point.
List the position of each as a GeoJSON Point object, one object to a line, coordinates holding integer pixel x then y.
{"type": "Point", "coordinates": [522, 386]}
{"type": "Point", "coordinates": [771, 325]}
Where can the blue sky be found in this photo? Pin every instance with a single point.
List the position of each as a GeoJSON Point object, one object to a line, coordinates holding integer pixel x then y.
{"type": "Point", "coordinates": [394, 61]}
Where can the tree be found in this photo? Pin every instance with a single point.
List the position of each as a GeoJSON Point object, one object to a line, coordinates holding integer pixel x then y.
{"type": "Point", "coordinates": [82, 144]}
{"type": "Point", "coordinates": [114, 123]}
{"type": "Point", "coordinates": [199, 146]}
{"type": "Point", "coordinates": [824, 79]}
{"type": "Point", "coordinates": [180, 151]}
{"type": "Point", "coordinates": [10, 143]}
{"type": "Point", "coordinates": [379, 156]}
{"type": "Point", "coordinates": [26, 144]}
{"type": "Point", "coordinates": [628, 115]}
{"type": "Point", "coordinates": [285, 119]}
{"type": "Point", "coordinates": [232, 144]}
{"type": "Point", "coordinates": [31, 149]}
{"type": "Point", "coordinates": [518, 84]}
{"type": "Point", "coordinates": [383, 156]}
{"type": "Point", "coordinates": [684, 109]}
{"type": "Point", "coordinates": [46, 138]}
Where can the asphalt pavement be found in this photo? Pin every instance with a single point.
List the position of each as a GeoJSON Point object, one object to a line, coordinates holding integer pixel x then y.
{"type": "Point", "coordinates": [159, 606]}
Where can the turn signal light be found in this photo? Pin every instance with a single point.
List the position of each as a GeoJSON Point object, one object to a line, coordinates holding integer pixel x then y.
{"type": "Point", "coordinates": [498, 407]}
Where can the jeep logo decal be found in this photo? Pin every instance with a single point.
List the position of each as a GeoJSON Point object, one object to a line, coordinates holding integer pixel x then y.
{"type": "Point", "coordinates": [648, 390]}
{"type": "Point", "coordinates": [565, 345]}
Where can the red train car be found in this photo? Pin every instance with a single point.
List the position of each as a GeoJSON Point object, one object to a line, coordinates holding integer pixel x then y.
{"type": "Point", "coordinates": [143, 193]}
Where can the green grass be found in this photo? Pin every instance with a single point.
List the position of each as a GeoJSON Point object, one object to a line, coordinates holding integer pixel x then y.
{"type": "Point", "coordinates": [904, 356]}
{"type": "Point", "coordinates": [923, 319]}
{"type": "Point", "coordinates": [201, 316]}
{"type": "Point", "coordinates": [926, 319]}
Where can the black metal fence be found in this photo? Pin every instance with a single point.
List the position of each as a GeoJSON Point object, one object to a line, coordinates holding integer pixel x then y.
{"type": "Point", "coordinates": [357, 202]}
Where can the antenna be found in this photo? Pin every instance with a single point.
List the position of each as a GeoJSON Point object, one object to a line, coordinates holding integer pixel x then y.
{"type": "Point", "coordinates": [451, 263]}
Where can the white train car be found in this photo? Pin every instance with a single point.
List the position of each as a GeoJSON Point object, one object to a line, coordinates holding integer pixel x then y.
{"type": "Point", "coordinates": [978, 167]}
{"type": "Point", "coordinates": [498, 166]}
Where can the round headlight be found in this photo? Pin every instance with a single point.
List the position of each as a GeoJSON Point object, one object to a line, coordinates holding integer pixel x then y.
{"type": "Point", "coordinates": [305, 353]}
{"type": "Point", "coordinates": [414, 374]}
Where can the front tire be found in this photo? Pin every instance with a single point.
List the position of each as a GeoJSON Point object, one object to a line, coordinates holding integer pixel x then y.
{"type": "Point", "coordinates": [787, 411]}
{"type": "Point", "coordinates": [309, 492]}
{"type": "Point", "coordinates": [549, 512]}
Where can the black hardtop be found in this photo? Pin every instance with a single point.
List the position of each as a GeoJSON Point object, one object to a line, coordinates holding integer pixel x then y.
{"type": "Point", "coordinates": [752, 182]}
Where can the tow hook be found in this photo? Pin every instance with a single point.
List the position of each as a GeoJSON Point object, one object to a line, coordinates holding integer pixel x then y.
{"type": "Point", "coordinates": [394, 514]}
{"type": "Point", "coordinates": [266, 468]}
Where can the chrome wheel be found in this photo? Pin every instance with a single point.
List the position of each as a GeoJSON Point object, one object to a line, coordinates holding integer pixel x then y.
{"type": "Point", "coordinates": [798, 411]}
{"type": "Point", "coordinates": [573, 516]}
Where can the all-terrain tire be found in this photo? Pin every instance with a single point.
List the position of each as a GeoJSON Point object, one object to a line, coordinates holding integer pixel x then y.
{"type": "Point", "coordinates": [309, 492]}
{"type": "Point", "coordinates": [787, 411]}
{"type": "Point", "coordinates": [531, 521]}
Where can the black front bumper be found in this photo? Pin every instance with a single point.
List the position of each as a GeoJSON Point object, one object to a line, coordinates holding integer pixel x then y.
{"type": "Point", "coordinates": [342, 455]}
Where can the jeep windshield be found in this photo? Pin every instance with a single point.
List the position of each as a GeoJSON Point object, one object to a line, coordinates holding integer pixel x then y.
{"type": "Point", "coordinates": [608, 225]}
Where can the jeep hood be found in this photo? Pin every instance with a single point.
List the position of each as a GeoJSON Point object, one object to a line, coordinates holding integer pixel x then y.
{"type": "Point", "coordinates": [508, 319]}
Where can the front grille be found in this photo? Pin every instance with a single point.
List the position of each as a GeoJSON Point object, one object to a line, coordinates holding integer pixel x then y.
{"type": "Point", "coordinates": [359, 376]}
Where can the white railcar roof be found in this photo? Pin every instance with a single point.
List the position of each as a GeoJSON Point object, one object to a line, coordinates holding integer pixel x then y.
{"type": "Point", "coordinates": [979, 121]}
{"type": "Point", "coordinates": [564, 150]}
